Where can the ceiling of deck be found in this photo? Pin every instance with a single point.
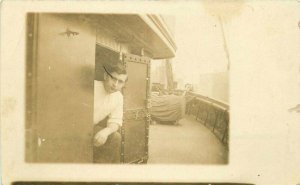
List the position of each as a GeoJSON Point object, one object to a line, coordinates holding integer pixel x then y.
{"type": "Point", "coordinates": [131, 29]}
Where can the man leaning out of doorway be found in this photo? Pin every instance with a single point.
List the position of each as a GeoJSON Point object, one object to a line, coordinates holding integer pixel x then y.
{"type": "Point", "coordinates": [108, 114]}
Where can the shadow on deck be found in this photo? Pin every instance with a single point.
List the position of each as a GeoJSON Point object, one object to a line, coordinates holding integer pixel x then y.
{"type": "Point", "coordinates": [190, 143]}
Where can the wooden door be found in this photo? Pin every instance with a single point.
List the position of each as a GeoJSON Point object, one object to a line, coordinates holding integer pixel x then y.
{"type": "Point", "coordinates": [135, 128]}
{"type": "Point", "coordinates": [64, 89]}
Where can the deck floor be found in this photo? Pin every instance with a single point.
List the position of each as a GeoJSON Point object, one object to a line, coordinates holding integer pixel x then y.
{"type": "Point", "coordinates": [190, 143]}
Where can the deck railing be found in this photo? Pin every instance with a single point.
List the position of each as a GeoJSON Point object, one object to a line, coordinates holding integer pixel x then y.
{"type": "Point", "coordinates": [212, 113]}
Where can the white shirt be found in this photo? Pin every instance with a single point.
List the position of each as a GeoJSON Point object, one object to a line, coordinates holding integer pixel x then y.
{"type": "Point", "coordinates": [107, 104]}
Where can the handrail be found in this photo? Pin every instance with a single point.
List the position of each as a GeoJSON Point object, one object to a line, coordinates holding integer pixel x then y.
{"type": "Point", "coordinates": [214, 101]}
{"type": "Point", "coordinates": [211, 113]}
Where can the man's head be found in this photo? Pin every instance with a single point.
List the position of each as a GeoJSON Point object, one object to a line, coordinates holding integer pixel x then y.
{"type": "Point", "coordinates": [115, 77]}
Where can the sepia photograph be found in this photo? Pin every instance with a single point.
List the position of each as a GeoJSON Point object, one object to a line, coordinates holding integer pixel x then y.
{"type": "Point", "coordinates": [118, 88]}
{"type": "Point", "coordinates": [182, 92]}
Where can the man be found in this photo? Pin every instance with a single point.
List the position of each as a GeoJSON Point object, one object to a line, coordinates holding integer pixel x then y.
{"type": "Point", "coordinates": [108, 114]}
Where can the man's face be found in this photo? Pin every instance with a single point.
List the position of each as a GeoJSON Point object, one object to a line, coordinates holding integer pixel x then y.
{"type": "Point", "coordinates": [114, 82]}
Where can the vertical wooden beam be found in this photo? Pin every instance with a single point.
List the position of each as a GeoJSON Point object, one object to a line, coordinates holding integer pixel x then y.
{"type": "Point", "coordinates": [169, 72]}
{"type": "Point", "coordinates": [31, 77]}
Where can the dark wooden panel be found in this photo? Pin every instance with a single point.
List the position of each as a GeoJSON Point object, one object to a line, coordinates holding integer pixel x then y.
{"type": "Point", "coordinates": [135, 140]}
{"type": "Point", "coordinates": [136, 117]}
{"type": "Point", "coordinates": [136, 86]}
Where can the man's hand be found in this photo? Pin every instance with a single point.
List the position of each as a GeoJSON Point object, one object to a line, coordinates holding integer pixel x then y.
{"type": "Point", "coordinates": [101, 137]}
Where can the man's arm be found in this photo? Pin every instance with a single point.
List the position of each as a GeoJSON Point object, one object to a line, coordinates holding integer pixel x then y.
{"type": "Point", "coordinates": [101, 137]}
{"type": "Point", "coordinates": [113, 123]}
